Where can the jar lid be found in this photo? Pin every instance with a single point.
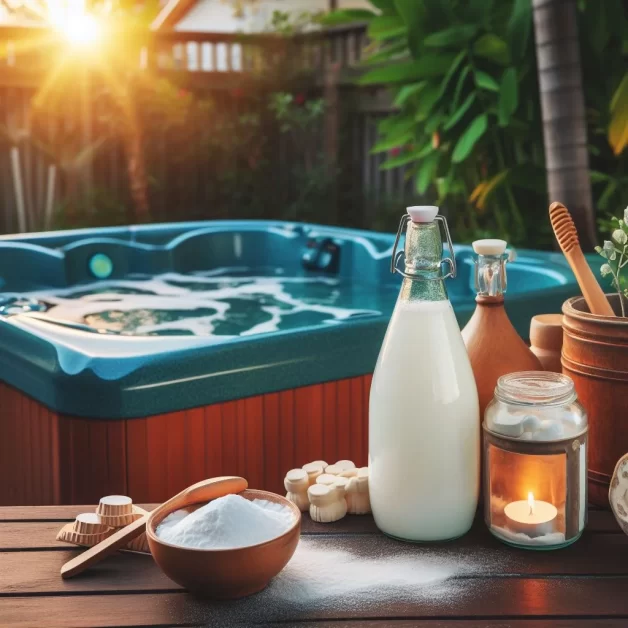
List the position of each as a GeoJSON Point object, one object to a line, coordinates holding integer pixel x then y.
{"type": "Point", "coordinates": [546, 331]}
{"type": "Point", "coordinates": [535, 388]}
{"type": "Point", "coordinates": [535, 406]}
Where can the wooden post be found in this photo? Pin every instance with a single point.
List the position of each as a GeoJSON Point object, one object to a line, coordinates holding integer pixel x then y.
{"type": "Point", "coordinates": [562, 107]}
{"type": "Point", "coordinates": [332, 125]}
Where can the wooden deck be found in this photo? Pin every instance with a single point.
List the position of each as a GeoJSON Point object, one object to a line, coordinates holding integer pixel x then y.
{"type": "Point", "coordinates": [583, 585]}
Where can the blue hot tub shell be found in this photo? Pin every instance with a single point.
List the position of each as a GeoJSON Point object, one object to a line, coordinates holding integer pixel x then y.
{"type": "Point", "coordinates": [89, 374]}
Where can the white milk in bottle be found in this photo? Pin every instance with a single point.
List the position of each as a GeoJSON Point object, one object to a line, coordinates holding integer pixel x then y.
{"type": "Point", "coordinates": [424, 426]}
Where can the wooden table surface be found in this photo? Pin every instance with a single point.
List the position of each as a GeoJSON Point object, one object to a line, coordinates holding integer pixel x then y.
{"type": "Point", "coordinates": [492, 585]}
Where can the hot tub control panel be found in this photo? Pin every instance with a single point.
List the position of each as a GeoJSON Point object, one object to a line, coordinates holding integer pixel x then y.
{"type": "Point", "coordinates": [321, 254]}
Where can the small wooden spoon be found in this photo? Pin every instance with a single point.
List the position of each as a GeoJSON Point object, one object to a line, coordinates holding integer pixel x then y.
{"type": "Point", "coordinates": [200, 492]}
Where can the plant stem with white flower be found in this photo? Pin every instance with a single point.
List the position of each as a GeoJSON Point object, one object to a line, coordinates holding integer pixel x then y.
{"type": "Point", "coordinates": [617, 245]}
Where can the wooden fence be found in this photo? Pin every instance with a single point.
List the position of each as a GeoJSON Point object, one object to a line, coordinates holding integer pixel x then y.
{"type": "Point", "coordinates": [36, 183]}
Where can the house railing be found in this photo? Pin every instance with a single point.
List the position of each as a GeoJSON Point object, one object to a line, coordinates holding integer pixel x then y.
{"type": "Point", "coordinates": [27, 52]}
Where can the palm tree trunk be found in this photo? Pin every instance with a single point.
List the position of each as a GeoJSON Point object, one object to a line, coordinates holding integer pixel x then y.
{"type": "Point", "coordinates": [562, 107]}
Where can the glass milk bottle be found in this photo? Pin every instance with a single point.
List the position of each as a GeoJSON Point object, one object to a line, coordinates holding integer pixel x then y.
{"type": "Point", "coordinates": [424, 424]}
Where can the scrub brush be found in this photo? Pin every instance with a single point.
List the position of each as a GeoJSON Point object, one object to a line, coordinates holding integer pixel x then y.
{"type": "Point", "coordinates": [567, 236]}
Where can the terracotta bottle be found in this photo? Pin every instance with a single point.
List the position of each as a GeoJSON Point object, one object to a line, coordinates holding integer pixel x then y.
{"type": "Point", "coordinates": [493, 345]}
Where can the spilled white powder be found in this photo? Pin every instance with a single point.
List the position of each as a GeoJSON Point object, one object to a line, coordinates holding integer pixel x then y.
{"type": "Point", "coordinates": [320, 572]}
{"type": "Point", "coordinates": [227, 522]}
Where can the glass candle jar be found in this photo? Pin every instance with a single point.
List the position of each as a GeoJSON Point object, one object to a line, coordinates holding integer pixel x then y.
{"type": "Point", "coordinates": [535, 461]}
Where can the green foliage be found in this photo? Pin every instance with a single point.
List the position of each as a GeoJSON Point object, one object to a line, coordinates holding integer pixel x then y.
{"type": "Point", "coordinates": [296, 112]}
{"type": "Point", "coordinates": [604, 54]}
{"type": "Point", "coordinates": [463, 76]}
{"type": "Point", "coordinates": [98, 208]}
{"type": "Point", "coordinates": [468, 128]}
{"type": "Point", "coordinates": [615, 252]}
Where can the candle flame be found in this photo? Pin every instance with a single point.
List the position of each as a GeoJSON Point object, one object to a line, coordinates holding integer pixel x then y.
{"type": "Point", "coordinates": [531, 502]}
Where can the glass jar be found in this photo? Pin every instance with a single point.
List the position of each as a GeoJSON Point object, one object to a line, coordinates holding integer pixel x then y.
{"type": "Point", "coordinates": [535, 461]}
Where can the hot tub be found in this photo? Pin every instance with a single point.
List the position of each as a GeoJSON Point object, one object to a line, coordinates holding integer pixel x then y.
{"type": "Point", "coordinates": [140, 360]}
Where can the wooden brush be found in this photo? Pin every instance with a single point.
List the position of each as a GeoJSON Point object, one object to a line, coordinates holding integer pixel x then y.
{"type": "Point", "coordinates": [567, 236]}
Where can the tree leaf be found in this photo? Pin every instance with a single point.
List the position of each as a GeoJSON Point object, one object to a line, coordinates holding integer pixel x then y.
{"type": "Point", "coordinates": [384, 5]}
{"type": "Point", "coordinates": [597, 177]}
{"type": "Point", "coordinates": [489, 187]}
{"type": "Point", "coordinates": [433, 122]}
{"type": "Point", "coordinates": [396, 124]}
{"type": "Point", "coordinates": [429, 65]}
{"type": "Point", "coordinates": [426, 171]}
{"type": "Point", "coordinates": [597, 31]}
{"type": "Point", "coordinates": [443, 185]}
{"type": "Point", "coordinates": [452, 70]}
{"type": "Point", "coordinates": [459, 85]}
{"type": "Point", "coordinates": [605, 197]}
{"type": "Point", "coordinates": [493, 48]}
{"type": "Point", "coordinates": [485, 81]}
{"type": "Point", "coordinates": [477, 190]}
{"type": "Point", "coordinates": [394, 73]}
{"type": "Point", "coordinates": [386, 52]}
{"type": "Point", "coordinates": [453, 36]}
{"type": "Point", "coordinates": [347, 16]}
{"type": "Point", "coordinates": [459, 113]}
{"type": "Point", "coordinates": [468, 139]}
{"type": "Point", "coordinates": [508, 96]}
{"type": "Point", "coordinates": [406, 91]}
{"type": "Point", "coordinates": [392, 141]}
{"type": "Point", "coordinates": [519, 27]}
{"type": "Point", "coordinates": [435, 63]}
{"type": "Point", "coordinates": [386, 26]}
{"type": "Point", "coordinates": [478, 10]}
{"type": "Point", "coordinates": [414, 16]}
{"type": "Point", "coordinates": [401, 160]}
{"type": "Point", "coordinates": [426, 101]}
{"type": "Point", "coordinates": [618, 127]}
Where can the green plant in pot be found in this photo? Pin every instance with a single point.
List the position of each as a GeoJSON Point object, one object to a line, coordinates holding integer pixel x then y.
{"type": "Point", "coordinates": [615, 252]}
{"type": "Point", "coordinates": [595, 356]}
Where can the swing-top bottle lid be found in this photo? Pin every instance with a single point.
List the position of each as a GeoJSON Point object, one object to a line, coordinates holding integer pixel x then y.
{"type": "Point", "coordinates": [489, 247]}
{"type": "Point", "coordinates": [422, 213]}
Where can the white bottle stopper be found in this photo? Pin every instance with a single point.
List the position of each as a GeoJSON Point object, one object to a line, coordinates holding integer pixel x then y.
{"type": "Point", "coordinates": [296, 483]}
{"type": "Point", "coordinates": [325, 504]}
{"type": "Point", "coordinates": [349, 473]}
{"type": "Point", "coordinates": [313, 470]}
{"type": "Point", "coordinates": [326, 479]}
{"type": "Point", "coordinates": [489, 247]}
{"type": "Point", "coordinates": [338, 467]}
{"type": "Point", "coordinates": [357, 496]}
{"type": "Point", "coordinates": [422, 213]}
{"type": "Point", "coordinates": [341, 484]}
{"type": "Point", "coordinates": [345, 464]}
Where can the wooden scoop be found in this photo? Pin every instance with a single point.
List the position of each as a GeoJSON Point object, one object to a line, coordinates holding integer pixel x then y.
{"type": "Point", "coordinates": [201, 492]}
{"type": "Point", "coordinates": [567, 236]}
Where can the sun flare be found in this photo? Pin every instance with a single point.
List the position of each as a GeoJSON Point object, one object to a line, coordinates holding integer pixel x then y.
{"type": "Point", "coordinates": [74, 22]}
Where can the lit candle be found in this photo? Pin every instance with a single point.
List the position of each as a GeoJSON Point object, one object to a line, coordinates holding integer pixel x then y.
{"type": "Point", "coordinates": [532, 518]}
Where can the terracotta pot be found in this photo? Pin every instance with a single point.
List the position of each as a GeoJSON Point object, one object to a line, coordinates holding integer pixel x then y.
{"type": "Point", "coordinates": [595, 356]}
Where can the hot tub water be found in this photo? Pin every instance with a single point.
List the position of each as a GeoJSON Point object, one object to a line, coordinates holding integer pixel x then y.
{"type": "Point", "coordinates": [224, 303]}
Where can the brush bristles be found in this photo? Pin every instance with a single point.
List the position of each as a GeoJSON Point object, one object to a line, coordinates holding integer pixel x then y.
{"type": "Point", "coordinates": [564, 227]}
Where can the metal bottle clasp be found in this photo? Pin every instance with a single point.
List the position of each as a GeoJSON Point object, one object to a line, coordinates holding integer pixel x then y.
{"type": "Point", "coordinates": [396, 255]}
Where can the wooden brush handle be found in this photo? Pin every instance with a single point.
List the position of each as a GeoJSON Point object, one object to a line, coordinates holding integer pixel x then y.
{"type": "Point", "coordinates": [111, 544]}
{"type": "Point", "coordinates": [593, 294]}
{"type": "Point", "coordinates": [199, 492]}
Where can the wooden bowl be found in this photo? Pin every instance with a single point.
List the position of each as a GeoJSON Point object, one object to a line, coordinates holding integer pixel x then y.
{"type": "Point", "coordinates": [226, 574]}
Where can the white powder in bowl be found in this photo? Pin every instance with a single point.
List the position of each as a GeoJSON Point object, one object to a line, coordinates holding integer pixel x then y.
{"type": "Point", "coordinates": [227, 522]}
